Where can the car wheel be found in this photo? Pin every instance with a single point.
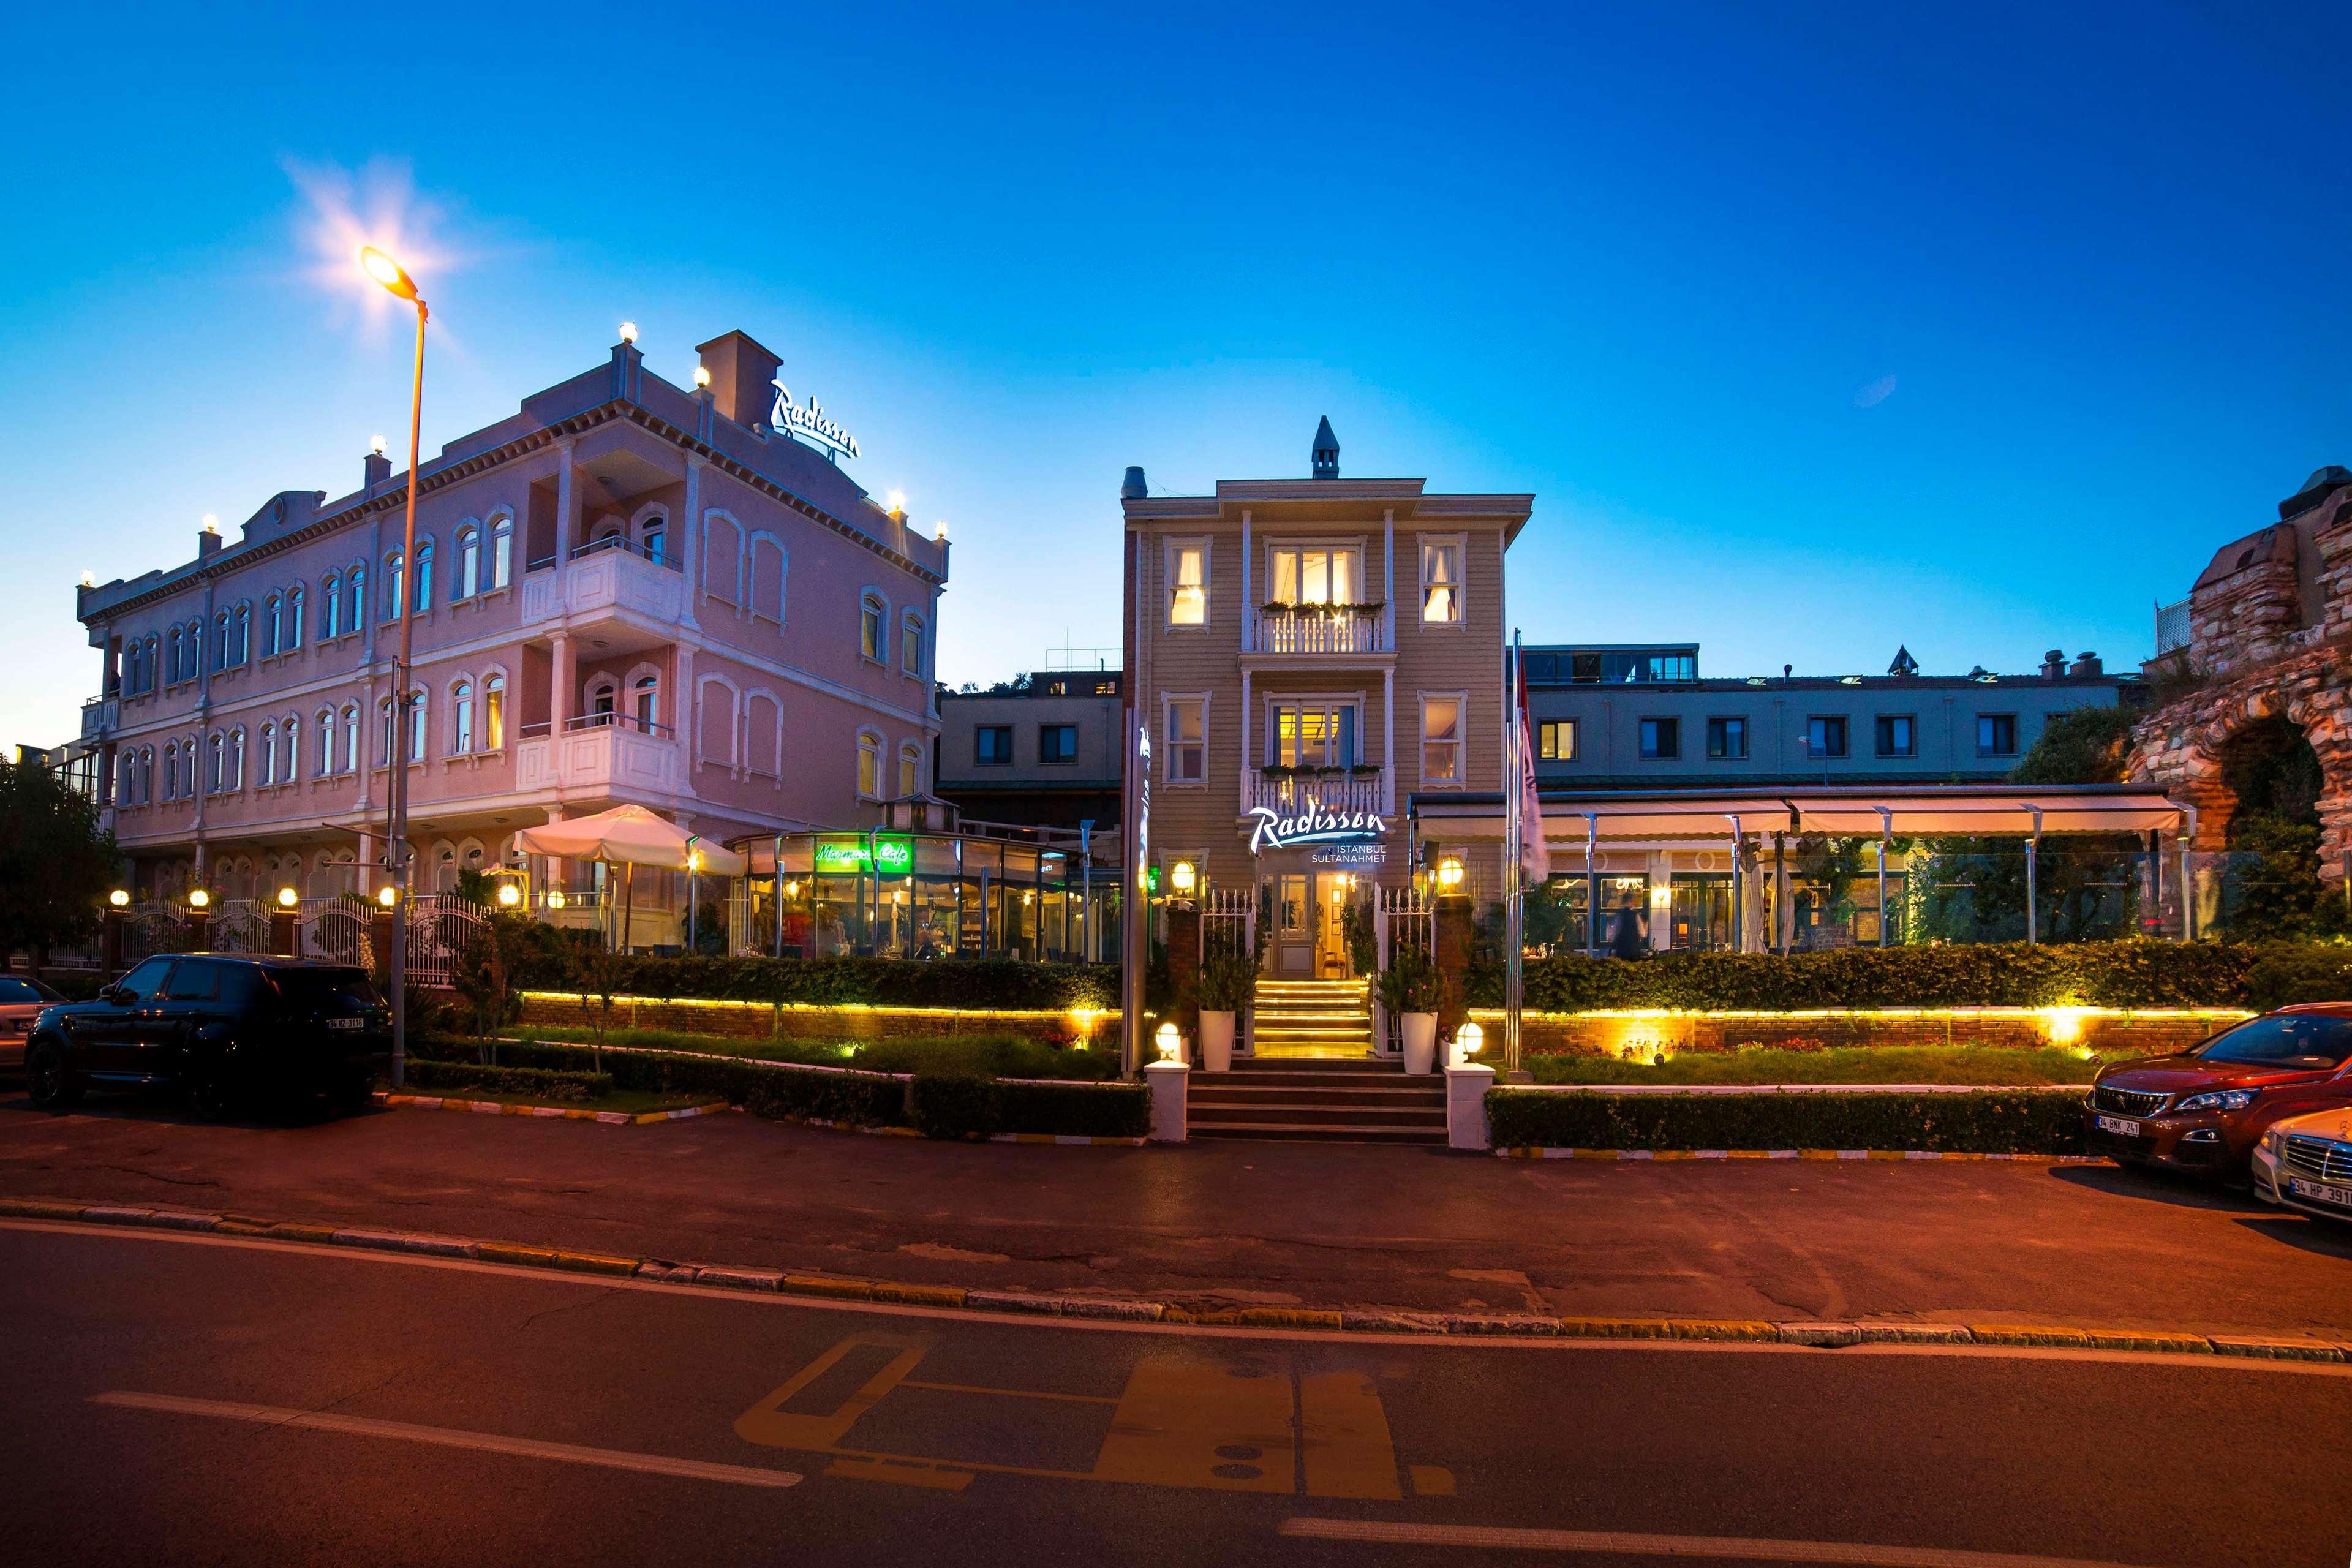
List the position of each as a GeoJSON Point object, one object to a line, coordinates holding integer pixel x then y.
{"type": "Point", "coordinates": [53, 1084]}
{"type": "Point", "coordinates": [209, 1098]}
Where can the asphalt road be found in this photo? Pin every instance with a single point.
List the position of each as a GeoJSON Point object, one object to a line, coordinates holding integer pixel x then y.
{"type": "Point", "coordinates": [179, 1399]}
{"type": "Point", "coordinates": [1268, 1223]}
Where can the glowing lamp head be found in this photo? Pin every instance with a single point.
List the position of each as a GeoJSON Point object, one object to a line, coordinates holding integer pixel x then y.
{"type": "Point", "coordinates": [554, 897]}
{"type": "Point", "coordinates": [628, 332]}
{"type": "Point", "coordinates": [694, 859]}
{"type": "Point", "coordinates": [288, 898]}
{"type": "Point", "coordinates": [199, 900]}
{"type": "Point", "coordinates": [120, 897]}
{"type": "Point", "coordinates": [1184, 878]}
{"type": "Point", "coordinates": [1471, 1039]}
{"type": "Point", "coordinates": [510, 896]}
{"type": "Point", "coordinates": [701, 377]}
{"type": "Point", "coordinates": [792, 889]}
{"type": "Point", "coordinates": [375, 445]}
{"type": "Point", "coordinates": [1171, 1044]}
{"type": "Point", "coordinates": [387, 895]}
{"type": "Point", "coordinates": [1449, 872]}
{"type": "Point", "coordinates": [89, 579]}
{"type": "Point", "coordinates": [386, 272]}
{"type": "Point", "coordinates": [940, 533]}
{"type": "Point", "coordinates": [2065, 1025]}
{"type": "Point", "coordinates": [209, 524]}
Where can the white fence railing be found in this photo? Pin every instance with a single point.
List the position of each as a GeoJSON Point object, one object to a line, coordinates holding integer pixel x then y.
{"type": "Point", "coordinates": [1401, 918]}
{"type": "Point", "coordinates": [1317, 629]}
{"type": "Point", "coordinates": [1349, 789]}
{"type": "Point", "coordinates": [1229, 925]}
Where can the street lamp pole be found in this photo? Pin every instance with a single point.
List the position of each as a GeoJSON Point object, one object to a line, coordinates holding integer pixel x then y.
{"type": "Point", "coordinates": [388, 272]}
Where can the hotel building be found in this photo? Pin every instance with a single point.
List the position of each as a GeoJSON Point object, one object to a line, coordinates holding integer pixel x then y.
{"type": "Point", "coordinates": [1308, 655]}
{"type": "Point", "coordinates": [628, 591]}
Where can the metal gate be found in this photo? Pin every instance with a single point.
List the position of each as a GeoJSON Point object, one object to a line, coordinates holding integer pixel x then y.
{"type": "Point", "coordinates": [240, 925]}
{"type": "Point", "coordinates": [1229, 926]}
{"type": "Point", "coordinates": [155, 926]}
{"type": "Point", "coordinates": [335, 930]}
{"type": "Point", "coordinates": [1401, 918]}
{"type": "Point", "coordinates": [440, 927]}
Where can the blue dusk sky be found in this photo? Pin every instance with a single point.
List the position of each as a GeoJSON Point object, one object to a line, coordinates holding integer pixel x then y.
{"type": "Point", "coordinates": [1813, 330]}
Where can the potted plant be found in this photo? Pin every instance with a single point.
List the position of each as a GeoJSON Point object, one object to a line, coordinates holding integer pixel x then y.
{"type": "Point", "coordinates": [1228, 986]}
{"type": "Point", "coordinates": [1410, 990]}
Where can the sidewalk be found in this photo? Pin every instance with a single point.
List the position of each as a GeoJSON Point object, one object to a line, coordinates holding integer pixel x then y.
{"type": "Point", "coordinates": [1254, 1225]}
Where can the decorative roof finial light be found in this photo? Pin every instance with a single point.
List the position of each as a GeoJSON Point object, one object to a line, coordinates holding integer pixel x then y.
{"type": "Point", "coordinates": [940, 534]}
{"type": "Point", "coordinates": [628, 332]}
{"type": "Point", "coordinates": [210, 524]}
{"type": "Point", "coordinates": [375, 445]}
{"type": "Point", "coordinates": [701, 377]}
{"type": "Point", "coordinates": [89, 579]}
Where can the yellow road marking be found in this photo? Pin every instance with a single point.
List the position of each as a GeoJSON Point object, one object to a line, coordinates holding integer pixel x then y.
{"type": "Point", "coordinates": [1202, 1423]}
{"type": "Point", "coordinates": [1344, 1437]}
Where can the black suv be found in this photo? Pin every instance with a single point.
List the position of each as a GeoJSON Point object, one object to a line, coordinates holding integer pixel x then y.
{"type": "Point", "coordinates": [225, 1028]}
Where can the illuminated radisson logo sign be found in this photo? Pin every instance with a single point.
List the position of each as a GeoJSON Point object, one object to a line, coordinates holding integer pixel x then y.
{"type": "Point", "coordinates": [811, 422]}
{"type": "Point", "coordinates": [1275, 831]}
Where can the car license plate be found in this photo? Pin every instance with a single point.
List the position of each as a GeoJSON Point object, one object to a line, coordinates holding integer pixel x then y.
{"type": "Point", "coordinates": [2116, 1125]}
{"type": "Point", "coordinates": [2320, 1192]}
{"type": "Point", "coordinates": [347, 1023]}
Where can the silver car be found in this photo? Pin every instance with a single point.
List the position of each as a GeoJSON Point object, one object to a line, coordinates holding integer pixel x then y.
{"type": "Point", "coordinates": [21, 1001]}
{"type": "Point", "coordinates": [2305, 1162]}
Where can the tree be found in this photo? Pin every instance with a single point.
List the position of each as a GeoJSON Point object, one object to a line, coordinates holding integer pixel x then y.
{"type": "Point", "coordinates": [482, 984]}
{"type": "Point", "coordinates": [56, 862]}
{"type": "Point", "coordinates": [2081, 745]}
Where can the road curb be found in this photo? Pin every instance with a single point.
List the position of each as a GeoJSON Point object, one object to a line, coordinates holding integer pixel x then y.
{"type": "Point", "coordinates": [1809, 1333]}
{"type": "Point", "coordinates": [1545, 1151]}
{"type": "Point", "coordinates": [543, 1112]}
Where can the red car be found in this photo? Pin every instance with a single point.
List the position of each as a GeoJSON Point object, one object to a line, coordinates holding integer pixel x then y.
{"type": "Point", "coordinates": [2205, 1108]}
{"type": "Point", "coordinates": [21, 1001]}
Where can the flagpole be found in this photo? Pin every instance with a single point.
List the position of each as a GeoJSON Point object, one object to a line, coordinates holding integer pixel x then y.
{"type": "Point", "coordinates": [1515, 866]}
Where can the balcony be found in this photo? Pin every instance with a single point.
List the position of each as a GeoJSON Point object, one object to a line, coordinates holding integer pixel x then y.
{"type": "Point", "coordinates": [601, 751]}
{"type": "Point", "coordinates": [1294, 791]}
{"type": "Point", "coordinates": [1317, 629]}
{"type": "Point", "coordinates": [606, 575]}
{"type": "Point", "coordinates": [99, 715]}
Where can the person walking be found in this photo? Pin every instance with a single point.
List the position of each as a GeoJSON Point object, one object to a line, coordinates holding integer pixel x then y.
{"type": "Point", "coordinates": [1626, 940]}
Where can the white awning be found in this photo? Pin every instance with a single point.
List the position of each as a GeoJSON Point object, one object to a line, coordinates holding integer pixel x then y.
{"type": "Point", "coordinates": [1984, 811]}
{"type": "Point", "coordinates": [629, 835]}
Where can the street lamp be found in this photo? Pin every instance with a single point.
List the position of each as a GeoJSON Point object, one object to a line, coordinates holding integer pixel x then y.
{"type": "Point", "coordinates": [1171, 1043]}
{"type": "Point", "coordinates": [120, 897]}
{"type": "Point", "coordinates": [1184, 878]}
{"type": "Point", "coordinates": [389, 895]}
{"type": "Point", "coordinates": [395, 279]}
{"type": "Point", "coordinates": [199, 900]}
{"type": "Point", "coordinates": [508, 895]}
{"type": "Point", "coordinates": [288, 898]}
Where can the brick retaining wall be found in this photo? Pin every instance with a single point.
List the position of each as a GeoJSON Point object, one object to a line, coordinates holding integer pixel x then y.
{"type": "Point", "coordinates": [803, 1021]}
{"type": "Point", "coordinates": [1642, 1034]}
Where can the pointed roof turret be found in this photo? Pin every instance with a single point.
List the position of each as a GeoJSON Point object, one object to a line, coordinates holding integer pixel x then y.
{"type": "Point", "coordinates": [1904, 663]}
{"type": "Point", "coordinates": [1327, 450]}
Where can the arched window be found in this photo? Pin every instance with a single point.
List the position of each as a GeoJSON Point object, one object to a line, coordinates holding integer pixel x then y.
{"type": "Point", "coordinates": [653, 538]}
{"type": "Point", "coordinates": [330, 614]}
{"type": "Point", "coordinates": [236, 760]}
{"type": "Point", "coordinates": [358, 617]}
{"type": "Point", "coordinates": [494, 712]}
{"type": "Point", "coordinates": [445, 870]}
{"type": "Point", "coordinates": [384, 734]}
{"type": "Point", "coordinates": [351, 737]}
{"type": "Point", "coordinates": [424, 597]}
{"type": "Point", "coordinates": [272, 617]}
{"type": "Point", "coordinates": [603, 695]}
{"type": "Point", "coordinates": [326, 741]}
{"type": "Point", "coordinates": [146, 775]}
{"type": "Point", "coordinates": [461, 718]}
{"type": "Point", "coordinates": [417, 725]}
{"type": "Point", "coordinates": [243, 644]}
{"type": "Point", "coordinates": [645, 700]}
{"type": "Point", "coordinates": [469, 558]}
{"type": "Point", "coordinates": [293, 617]}
{"type": "Point", "coordinates": [268, 754]}
{"type": "Point", "coordinates": [171, 651]}
{"type": "Point", "coordinates": [911, 642]}
{"type": "Point", "coordinates": [170, 769]}
{"type": "Point", "coordinates": [501, 552]}
{"type": "Point", "coordinates": [768, 566]}
{"type": "Point", "coordinates": [609, 533]}
{"type": "Point", "coordinates": [873, 629]}
{"type": "Point", "coordinates": [392, 580]}
{"type": "Point", "coordinates": [215, 771]}
{"type": "Point", "coordinates": [293, 731]}
{"type": "Point", "coordinates": [220, 641]}
{"type": "Point", "coordinates": [910, 771]}
{"type": "Point", "coordinates": [869, 765]}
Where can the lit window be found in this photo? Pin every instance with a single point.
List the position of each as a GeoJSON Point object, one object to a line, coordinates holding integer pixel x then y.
{"type": "Point", "coordinates": [1188, 584]}
{"type": "Point", "coordinates": [1441, 739]}
{"type": "Point", "coordinates": [1556, 741]}
{"type": "Point", "coordinates": [869, 628]}
{"type": "Point", "coordinates": [910, 645]}
{"type": "Point", "coordinates": [1441, 582]}
{"type": "Point", "coordinates": [869, 767]}
{"type": "Point", "coordinates": [911, 767]}
{"type": "Point", "coordinates": [494, 712]}
{"type": "Point", "coordinates": [1315, 576]}
{"type": "Point", "coordinates": [1187, 747]}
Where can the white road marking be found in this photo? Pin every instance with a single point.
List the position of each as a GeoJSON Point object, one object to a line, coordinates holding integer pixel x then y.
{"type": "Point", "coordinates": [1624, 1545]}
{"type": "Point", "coordinates": [450, 1438]}
{"type": "Point", "coordinates": [1022, 1321]}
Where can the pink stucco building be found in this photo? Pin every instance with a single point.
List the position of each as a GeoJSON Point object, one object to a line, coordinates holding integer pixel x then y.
{"type": "Point", "coordinates": [628, 591]}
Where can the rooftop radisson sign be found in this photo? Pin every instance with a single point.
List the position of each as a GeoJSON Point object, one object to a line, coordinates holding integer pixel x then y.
{"type": "Point", "coordinates": [811, 421]}
{"type": "Point", "coordinates": [1275, 831]}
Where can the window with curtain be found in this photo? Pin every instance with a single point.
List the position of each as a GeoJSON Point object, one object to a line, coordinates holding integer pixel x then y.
{"type": "Point", "coordinates": [1188, 583]}
{"type": "Point", "coordinates": [1315, 735]}
{"type": "Point", "coordinates": [1441, 582]}
{"type": "Point", "coordinates": [494, 712]}
{"type": "Point", "coordinates": [1315, 574]}
{"type": "Point", "coordinates": [869, 628]}
{"type": "Point", "coordinates": [1187, 743]}
{"type": "Point", "coordinates": [869, 767]}
{"type": "Point", "coordinates": [910, 644]}
{"type": "Point", "coordinates": [1441, 739]}
{"type": "Point", "coordinates": [647, 698]}
{"type": "Point", "coordinates": [910, 763]}
{"type": "Point", "coordinates": [461, 719]}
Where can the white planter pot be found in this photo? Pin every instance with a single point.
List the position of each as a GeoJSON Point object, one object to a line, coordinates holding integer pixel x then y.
{"type": "Point", "coordinates": [1216, 1041]}
{"type": "Point", "coordinates": [1420, 1041]}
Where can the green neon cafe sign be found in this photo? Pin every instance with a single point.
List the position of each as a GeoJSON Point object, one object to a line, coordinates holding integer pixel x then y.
{"type": "Point", "coordinates": [893, 855]}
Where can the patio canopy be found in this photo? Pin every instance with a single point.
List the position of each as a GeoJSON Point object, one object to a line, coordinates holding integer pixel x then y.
{"type": "Point", "coordinates": [628, 835]}
{"type": "Point", "coordinates": [1841, 811]}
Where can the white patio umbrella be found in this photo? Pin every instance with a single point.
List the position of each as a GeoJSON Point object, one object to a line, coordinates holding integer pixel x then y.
{"type": "Point", "coordinates": [633, 836]}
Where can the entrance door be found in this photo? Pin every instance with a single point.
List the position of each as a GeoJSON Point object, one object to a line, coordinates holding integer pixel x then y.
{"type": "Point", "coordinates": [1294, 925]}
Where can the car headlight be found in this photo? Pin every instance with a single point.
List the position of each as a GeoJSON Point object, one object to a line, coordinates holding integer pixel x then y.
{"type": "Point", "coordinates": [2220, 1099]}
{"type": "Point", "coordinates": [2274, 1139]}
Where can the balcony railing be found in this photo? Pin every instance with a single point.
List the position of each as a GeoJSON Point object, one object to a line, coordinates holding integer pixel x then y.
{"type": "Point", "coordinates": [1317, 629]}
{"type": "Point", "coordinates": [602, 576]}
{"type": "Point", "coordinates": [98, 716]}
{"type": "Point", "coordinates": [1291, 791]}
{"type": "Point", "coordinates": [616, 720]}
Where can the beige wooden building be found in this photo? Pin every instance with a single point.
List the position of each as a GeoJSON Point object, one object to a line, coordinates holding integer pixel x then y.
{"type": "Point", "coordinates": [1307, 655]}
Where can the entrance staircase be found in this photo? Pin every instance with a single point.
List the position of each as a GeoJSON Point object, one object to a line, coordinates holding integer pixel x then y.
{"type": "Point", "coordinates": [1314, 1077]}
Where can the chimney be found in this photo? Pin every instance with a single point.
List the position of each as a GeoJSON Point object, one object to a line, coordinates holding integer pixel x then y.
{"type": "Point", "coordinates": [376, 470]}
{"type": "Point", "coordinates": [208, 539]}
{"type": "Point", "coordinates": [1132, 488]}
{"type": "Point", "coordinates": [1326, 452]}
{"type": "Point", "coordinates": [2086, 664]}
{"type": "Point", "coordinates": [2053, 664]}
{"type": "Point", "coordinates": [742, 377]}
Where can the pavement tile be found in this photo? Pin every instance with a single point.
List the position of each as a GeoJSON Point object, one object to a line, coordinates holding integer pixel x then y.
{"type": "Point", "coordinates": [514, 1253]}
{"type": "Point", "coordinates": [41, 1208]}
{"type": "Point", "coordinates": [405, 1241]}
{"type": "Point", "coordinates": [1124, 1312]}
{"type": "Point", "coordinates": [920, 1295]}
{"type": "Point", "coordinates": [181, 1219]}
{"type": "Point", "coordinates": [107, 1214]}
{"type": "Point", "coordinates": [596, 1263]}
{"type": "Point", "coordinates": [827, 1285]}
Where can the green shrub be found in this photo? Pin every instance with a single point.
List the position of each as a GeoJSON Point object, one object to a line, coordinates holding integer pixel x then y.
{"type": "Point", "coordinates": [957, 1105]}
{"type": "Point", "coordinates": [74, 984]}
{"type": "Point", "coordinates": [763, 1089]}
{"type": "Point", "coordinates": [2319, 971]}
{"type": "Point", "coordinates": [946, 984]}
{"type": "Point", "coordinates": [1077, 1110]}
{"type": "Point", "coordinates": [2023, 1122]}
{"type": "Point", "coordinates": [539, 1083]}
{"type": "Point", "coordinates": [2133, 973]}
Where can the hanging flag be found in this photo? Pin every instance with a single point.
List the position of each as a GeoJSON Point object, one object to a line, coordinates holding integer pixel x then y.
{"type": "Point", "coordinates": [1535, 855]}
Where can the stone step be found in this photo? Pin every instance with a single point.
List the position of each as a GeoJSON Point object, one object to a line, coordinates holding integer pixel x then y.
{"type": "Point", "coordinates": [1349, 1092]}
{"type": "Point", "coordinates": [1321, 1116]}
{"type": "Point", "coordinates": [1309, 1133]}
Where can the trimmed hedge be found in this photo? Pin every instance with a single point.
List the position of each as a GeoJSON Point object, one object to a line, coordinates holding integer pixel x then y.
{"type": "Point", "coordinates": [2000, 1122]}
{"type": "Point", "coordinates": [427, 1072]}
{"type": "Point", "coordinates": [2134, 974]}
{"type": "Point", "coordinates": [946, 983]}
